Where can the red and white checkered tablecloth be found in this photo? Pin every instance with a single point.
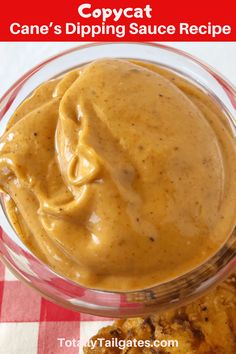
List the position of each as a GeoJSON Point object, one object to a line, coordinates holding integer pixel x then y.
{"type": "Point", "coordinates": [30, 324]}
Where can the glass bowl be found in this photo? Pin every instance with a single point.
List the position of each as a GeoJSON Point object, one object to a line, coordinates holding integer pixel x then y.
{"type": "Point", "coordinates": [22, 262]}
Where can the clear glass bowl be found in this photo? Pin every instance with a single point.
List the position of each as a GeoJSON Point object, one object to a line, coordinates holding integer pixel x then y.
{"type": "Point", "coordinates": [53, 286]}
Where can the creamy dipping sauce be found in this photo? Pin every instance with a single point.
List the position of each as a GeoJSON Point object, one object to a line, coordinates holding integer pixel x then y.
{"type": "Point", "coordinates": [120, 175]}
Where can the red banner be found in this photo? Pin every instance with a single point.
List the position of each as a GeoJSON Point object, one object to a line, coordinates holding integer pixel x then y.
{"type": "Point", "coordinates": [118, 20]}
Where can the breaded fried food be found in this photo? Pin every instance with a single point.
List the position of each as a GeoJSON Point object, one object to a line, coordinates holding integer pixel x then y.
{"type": "Point", "coordinates": [205, 326]}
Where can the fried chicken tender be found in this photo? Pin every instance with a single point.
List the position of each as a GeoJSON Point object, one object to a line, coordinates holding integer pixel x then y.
{"type": "Point", "coordinates": [205, 326]}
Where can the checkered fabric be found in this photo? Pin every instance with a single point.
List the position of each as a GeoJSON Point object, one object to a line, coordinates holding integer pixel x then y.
{"type": "Point", "coordinates": [30, 324]}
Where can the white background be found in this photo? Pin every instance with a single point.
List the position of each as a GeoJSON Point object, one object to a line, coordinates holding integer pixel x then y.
{"type": "Point", "coordinates": [17, 58]}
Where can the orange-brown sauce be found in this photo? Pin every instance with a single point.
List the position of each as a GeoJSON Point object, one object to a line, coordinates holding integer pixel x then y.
{"type": "Point", "coordinates": [120, 175]}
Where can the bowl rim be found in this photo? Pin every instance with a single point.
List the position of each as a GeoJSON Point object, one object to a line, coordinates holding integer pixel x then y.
{"type": "Point", "coordinates": [215, 73]}
{"type": "Point", "coordinates": [231, 93]}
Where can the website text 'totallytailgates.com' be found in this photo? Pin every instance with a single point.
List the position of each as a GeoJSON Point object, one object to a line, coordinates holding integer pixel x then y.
{"type": "Point", "coordinates": [117, 343]}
